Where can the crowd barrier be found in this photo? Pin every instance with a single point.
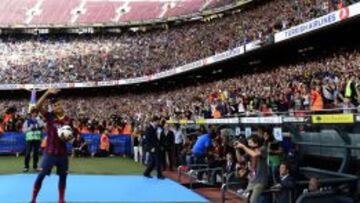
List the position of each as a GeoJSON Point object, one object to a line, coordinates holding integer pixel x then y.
{"type": "Point", "coordinates": [14, 142]}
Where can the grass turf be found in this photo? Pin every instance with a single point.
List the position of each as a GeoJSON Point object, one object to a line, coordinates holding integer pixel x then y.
{"type": "Point", "coordinates": [108, 165]}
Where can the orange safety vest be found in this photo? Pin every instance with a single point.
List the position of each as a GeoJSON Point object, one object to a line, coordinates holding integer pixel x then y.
{"type": "Point", "coordinates": [127, 129]}
{"type": "Point", "coordinates": [316, 101]}
{"type": "Point", "coordinates": [84, 130]}
{"type": "Point", "coordinates": [104, 142]}
{"type": "Point", "coordinates": [7, 118]}
{"type": "Point", "coordinates": [115, 131]}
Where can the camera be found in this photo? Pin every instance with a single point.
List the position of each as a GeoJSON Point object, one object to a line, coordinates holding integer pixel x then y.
{"type": "Point", "coordinates": [241, 140]}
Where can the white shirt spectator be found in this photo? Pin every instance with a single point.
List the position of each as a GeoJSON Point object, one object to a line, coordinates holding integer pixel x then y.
{"type": "Point", "coordinates": [179, 136]}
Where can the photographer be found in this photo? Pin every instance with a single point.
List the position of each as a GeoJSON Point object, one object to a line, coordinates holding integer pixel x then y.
{"type": "Point", "coordinates": [258, 167]}
{"type": "Point", "coordinates": [32, 129]}
{"type": "Point", "coordinates": [80, 147]}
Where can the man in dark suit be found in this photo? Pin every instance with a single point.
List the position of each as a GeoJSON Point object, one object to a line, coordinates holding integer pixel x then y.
{"type": "Point", "coordinates": [169, 145]}
{"type": "Point", "coordinates": [161, 136]}
{"type": "Point", "coordinates": [152, 145]}
{"type": "Point", "coordinates": [285, 185]}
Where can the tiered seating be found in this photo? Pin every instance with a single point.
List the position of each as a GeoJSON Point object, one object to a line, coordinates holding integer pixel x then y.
{"type": "Point", "coordinates": [94, 11]}
{"type": "Point", "coordinates": [142, 11]}
{"type": "Point", "coordinates": [99, 12]}
{"type": "Point", "coordinates": [55, 12]}
{"type": "Point", "coordinates": [14, 12]}
{"type": "Point", "coordinates": [218, 3]}
{"type": "Point", "coordinates": [185, 7]}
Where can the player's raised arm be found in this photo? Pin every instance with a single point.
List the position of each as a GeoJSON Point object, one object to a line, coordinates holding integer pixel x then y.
{"type": "Point", "coordinates": [39, 104]}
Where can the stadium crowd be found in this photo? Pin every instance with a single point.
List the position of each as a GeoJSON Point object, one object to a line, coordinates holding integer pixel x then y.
{"type": "Point", "coordinates": [44, 59]}
{"type": "Point", "coordinates": [315, 84]}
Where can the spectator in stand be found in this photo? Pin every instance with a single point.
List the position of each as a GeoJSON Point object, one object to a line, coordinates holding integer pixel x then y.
{"type": "Point", "coordinates": [258, 177]}
{"type": "Point", "coordinates": [328, 93]}
{"type": "Point", "coordinates": [241, 176]}
{"type": "Point", "coordinates": [285, 185]}
{"type": "Point", "coordinates": [347, 106]}
{"type": "Point", "coordinates": [275, 155]}
{"type": "Point", "coordinates": [316, 99]}
{"type": "Point", "coordinates": [314, 185]}
{"type": "Point", "coordinates": [230, 163]}
{"type": "Point", "coordinates": [351, 90]}
{"type": "Point", "coordinates": [32, 128]}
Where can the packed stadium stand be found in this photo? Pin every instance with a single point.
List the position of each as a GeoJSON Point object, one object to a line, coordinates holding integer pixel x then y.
{"type": "Point", "coordinates": [138, 54]}
{"type": "Point", "coordinates": [277, 83]}
{"type": "Point", "coordinates": [311, 85]}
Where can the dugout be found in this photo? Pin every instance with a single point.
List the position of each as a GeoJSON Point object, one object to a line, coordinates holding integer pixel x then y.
{"type": "Point", "coordinates": [328, 145]}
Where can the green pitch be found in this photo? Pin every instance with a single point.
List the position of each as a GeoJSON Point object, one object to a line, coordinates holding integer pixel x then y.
{"type": "Point", "coordinates": [109, 165]}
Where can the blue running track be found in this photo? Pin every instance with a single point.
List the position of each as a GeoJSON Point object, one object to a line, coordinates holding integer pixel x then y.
{"type": "Point", "coordinates": [96, 188]}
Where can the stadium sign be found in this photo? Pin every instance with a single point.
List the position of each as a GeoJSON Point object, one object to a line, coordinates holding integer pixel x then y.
{"type": "Point", "coordinates": [8, 86]}
{"type": "Point", "coordinates": [261, 120]}
{"type": "Point", "coordinates": [332, 118]}
{"type": "Point", "coordinates": [293, 119]}
{"type": "Point", "coordinates": [218, 121]}
{"type": "Point", "coordinates": [134, 80]}
{"type": "Point", "coordinates": [105, 83]}
{"type": "Point", "coordinates": [318, 23]}
{"type": "Point", "coordinates": [224, 55]}
{"type": "Point", "coordinates": [189, 66]}
{"type": "Point", "coordinates": [253, 45]}
{"type": "Point", "coordinates": [163, 74]}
